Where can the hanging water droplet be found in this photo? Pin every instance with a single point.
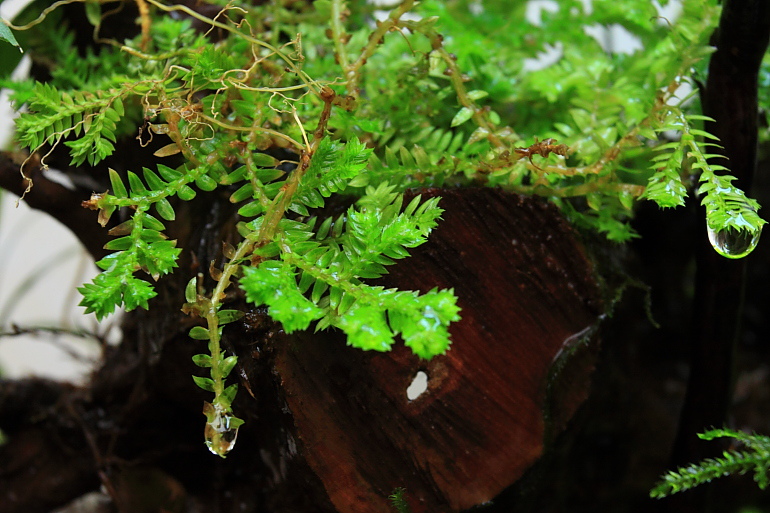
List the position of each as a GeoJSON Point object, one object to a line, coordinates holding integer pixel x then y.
{"type": "Point", "coordinates": [221, 429]}
{"type": "Point", "coordinates": [732, 243]}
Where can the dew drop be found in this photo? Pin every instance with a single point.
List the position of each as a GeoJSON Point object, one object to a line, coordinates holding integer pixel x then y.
{"type": "Point", "coordinates": [733, 243]}
{"type": "Point", "coordinates": [221, 429]}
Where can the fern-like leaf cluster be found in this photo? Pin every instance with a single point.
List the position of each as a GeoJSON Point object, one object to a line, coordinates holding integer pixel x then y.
{"type": "Point", "coordinates": [727, 207]}
{"type": "Point", "coordinates": [444, 98]}
{"type": "Point", "coordinates": [756, 459]}
{"type": "Point", "coordinates": [54, 115]}
{"type": "Point", "coordinates": [330, 264]}
{"type": "Point", "coordinates": [142, 247]}
{"type": "Point", "coordinates": [332, 168]}
{"type": "Point", "coordinates": [398, 501]}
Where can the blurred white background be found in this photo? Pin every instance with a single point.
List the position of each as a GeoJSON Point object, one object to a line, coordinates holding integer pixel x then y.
{"type": "Point", "coordinates": [41, 265]}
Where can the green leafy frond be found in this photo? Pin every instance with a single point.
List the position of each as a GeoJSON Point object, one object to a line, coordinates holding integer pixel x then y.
{"type": "Point", "coordinates": [333, 166]}
{"type": "Point", "coordinates": [727, 206]}
{"type": "Point", "coordinates": [140, 243]}
{"type": "Point", "coordinates": [756, 460]}
{"type": "Point", "coordinates": [142, 247]}
{"type": "Point", "coordinates": [398, 501]}
{"type": "Point", "coordinates": [665, 187]}
{"type": "Point", "coordinates": [372, 235]}
{"type": "Point", "coordinates": [274, 284]}
{"type": "Point", "coordinates": [280, 123]}
{"type": "Point", "coordinates": [418, 167]}
{"type": "Point", "coordinates": [756, 442]}
{"type": "Point", "coordinates": [55, 115]}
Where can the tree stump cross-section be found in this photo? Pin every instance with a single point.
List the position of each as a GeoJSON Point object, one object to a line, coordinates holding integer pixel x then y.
{"type": "Point", "coordinates": [458, 429]}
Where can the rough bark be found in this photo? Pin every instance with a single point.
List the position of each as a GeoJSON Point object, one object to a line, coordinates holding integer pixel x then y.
{"type": "Point", "coordinates": [530, 306]}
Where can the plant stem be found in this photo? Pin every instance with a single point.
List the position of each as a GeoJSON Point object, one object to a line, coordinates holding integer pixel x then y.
{"type": "Point", "coordinates": [311, 84]}
{"type": "Point", "coordinates": [283, 200]}
{"type": "Point", "coordinates": [338, 35]}
{"type": "Point", "coordinates": [456, 78]}
{"type": "Point", "coordinates": [212, 307]}
{"type": "Point", "coordinates": [144, 16]}
{"type": "Point", "coordinates": [383, 27]}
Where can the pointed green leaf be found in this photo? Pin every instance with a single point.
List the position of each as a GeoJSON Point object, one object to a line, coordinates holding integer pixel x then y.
{"type": "Point", "coordinates": [477, 94]}
{"type": "Point", "coordinates": [244, 192]}
{"type": "Point", "coordinates": [93, 12]}
{"type": "Point", "coordinates": [228, 364]}
{"type": "Point", "coordinates": [7, 35]}
{"type": "Point", "coordinates": [137, 187]}
{"type": "Point", "coordinates": [186, 193]}
{"type": "Point", "coordinates": [251, 209]}
{"type": "Point", "coordinates": [120, 244]}
{"type": "Point", "coordinates": [264, 160]}
{"type": "Point", "coordinates": [191, 291]}
{"type": "Point", "coordinates": [169, 174]}
{"type": "Point", "coordinates": [227, 398]}
{"type": "Point", "coordinates": [236, 176]}
{"type": "Point", "coordinates": [206, 384]}
{"type": "Point", "coordinates": [149, 221]}
{"type": "Point", "coordinates": [165, 210]}
{"type": "Point", "coordinates": [153, 180]}
{"type": "Point", "coordinates": [462, 116]}
{"type": "Point", "coordinates": [227, 316]}
{"type": "Point", "coordinates": [202, 360]}
{"type": "Point", "coordinates": [206, 183]}
{"type": "Point", "coordinates": [118, 187]}
{"type": "Point", "coordinates": [199, 333]}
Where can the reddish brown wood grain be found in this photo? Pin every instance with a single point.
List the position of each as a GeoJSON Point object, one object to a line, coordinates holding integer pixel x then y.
{"type": "Point", "coordinates": [529, 301]}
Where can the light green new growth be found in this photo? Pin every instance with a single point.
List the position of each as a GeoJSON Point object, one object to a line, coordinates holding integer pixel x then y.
{"type": "Point", "coordinates": [295, 104]}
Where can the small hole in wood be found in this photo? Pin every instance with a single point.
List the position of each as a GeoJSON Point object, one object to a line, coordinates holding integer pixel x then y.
{"type": "Point", "coordinates": [418, 387]}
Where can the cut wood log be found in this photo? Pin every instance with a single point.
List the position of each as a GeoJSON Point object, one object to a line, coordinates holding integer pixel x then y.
{"type": "Point", "coordinates": [453, 431]}
{"type": "Point", "coordinates": [458, 429]}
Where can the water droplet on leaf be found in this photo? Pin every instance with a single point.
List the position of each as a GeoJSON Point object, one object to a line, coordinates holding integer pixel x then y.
{"type": "Point", "coordinates": [221, 429]}
{"type": "Point", "coordinates": [732, 243]}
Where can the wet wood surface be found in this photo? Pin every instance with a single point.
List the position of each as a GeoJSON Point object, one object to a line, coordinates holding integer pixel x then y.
{"type": "Point", "coordinates": [328, 427]}
{"type": "Point", "coordinates": [518, 367]}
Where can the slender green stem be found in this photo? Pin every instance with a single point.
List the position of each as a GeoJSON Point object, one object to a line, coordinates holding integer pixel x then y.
{"type": "Point", "coordinates": [212, 307]}
{"type": "Point", "coordinates": [311, 84]}
{"type": "Point", "coordinates": [252, 128]}
{"type": "Point", "coordinates": [383, 27]}
{"type": "Point", "coordinates": [338, 34]}
{"type": "Point", "coordinates": [283, 200]}
{"type": "Point", "coordinates": [275, 213]}
{"type": "Point", "coordinates": [458, 83]}
{"type": "Point", "coordinates": [48, 10]}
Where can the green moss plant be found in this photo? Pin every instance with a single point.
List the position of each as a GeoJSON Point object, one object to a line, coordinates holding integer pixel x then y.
{"type": "Point", "coordinates": [292, 103]}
